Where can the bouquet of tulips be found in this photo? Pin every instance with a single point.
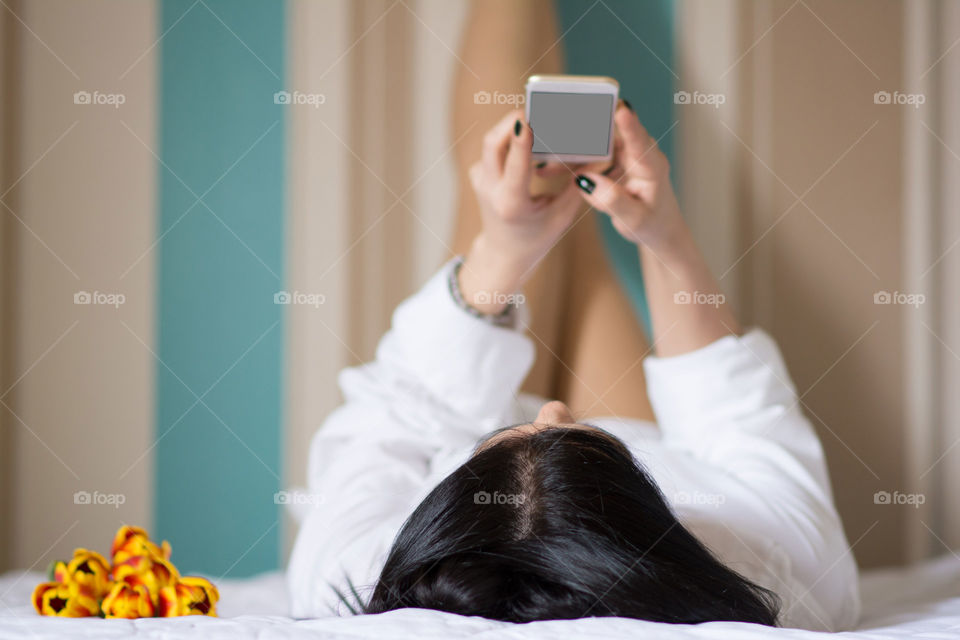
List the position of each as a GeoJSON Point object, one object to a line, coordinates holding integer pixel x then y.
{"type": "Point", "coordinates": [139, 582]}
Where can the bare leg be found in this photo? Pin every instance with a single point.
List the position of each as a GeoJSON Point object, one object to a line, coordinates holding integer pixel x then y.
{"type": "Point", "coordinates": [603, 342]}
{"type": "Point", "coordinates": [504, 41]}
{"type": "Point", "coordinates": [589, 344]}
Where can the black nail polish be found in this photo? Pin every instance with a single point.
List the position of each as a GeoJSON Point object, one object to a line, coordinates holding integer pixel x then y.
{"type": "Point", "coordinates": [541, 165]}
{"type": "Point", "coordinates": [609, 170]}
{"type": "Point", "coordinates": [627, 104]}
{"type": "Point", "coordinates": [516, 128]}
{"type": "Point", "coordinates": [586, 183]}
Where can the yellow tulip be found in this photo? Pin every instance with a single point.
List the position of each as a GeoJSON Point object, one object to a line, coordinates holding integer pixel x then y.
{"type": "Point", "coordinates": [128, 601]}
{"type": "Point", "coordinates": [64, 600]}
{"type": "Point", "coordinates": [141, 583]}
{"type": "Point", "coordinates": [190, 596]}
{"type": "Point", "coordinates": [88, 569]}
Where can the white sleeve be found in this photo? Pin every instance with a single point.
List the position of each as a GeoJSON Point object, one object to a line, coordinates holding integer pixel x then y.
{"type": "Point", "coordinates": [733, 406]}
{"type": "Point", "coordinates": [706, 401]}
{"type": "Point", "coordinates": [441, 379]}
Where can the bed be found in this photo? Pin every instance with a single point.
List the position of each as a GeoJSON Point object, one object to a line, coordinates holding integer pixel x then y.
{"type": "Point", "coordinates": [921, 601]}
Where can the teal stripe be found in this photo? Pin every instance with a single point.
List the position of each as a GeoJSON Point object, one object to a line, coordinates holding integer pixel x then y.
{"type": "Point", "coordinates": [220, 335]}
{"type": "Point", "coordinates": [632, 41]}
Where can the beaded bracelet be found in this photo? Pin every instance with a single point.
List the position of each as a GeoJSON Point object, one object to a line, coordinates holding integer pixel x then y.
{"type": "Point", "coordinates": [503, 319]}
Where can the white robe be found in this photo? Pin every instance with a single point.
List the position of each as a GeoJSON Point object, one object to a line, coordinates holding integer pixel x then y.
{"type": "Point", "coordinates": [734, 455]}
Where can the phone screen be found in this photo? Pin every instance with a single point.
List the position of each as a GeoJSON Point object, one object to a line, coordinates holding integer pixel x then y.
{"type": "Point", "coordinates": [571, 123]}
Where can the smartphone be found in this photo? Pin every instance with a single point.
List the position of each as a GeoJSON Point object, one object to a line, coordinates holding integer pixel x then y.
{"type": "Point", "coordinates": [571, 117]}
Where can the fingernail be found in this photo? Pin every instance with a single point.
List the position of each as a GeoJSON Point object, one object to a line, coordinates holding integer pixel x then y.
{"type": "Point", "coordinates": [541, 165]}
{"type": "Point", "coordinates": [586, 183]}
{"type": "Point", "coordinates": [627, 104]}
{"type": "Point", "coordinates": [516, 128]}
{"type": "Point", "coordinates": [609, 170]}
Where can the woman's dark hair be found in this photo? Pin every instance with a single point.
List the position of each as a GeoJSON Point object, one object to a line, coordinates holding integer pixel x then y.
{"type": "Point", "coordinates": [558, 524]}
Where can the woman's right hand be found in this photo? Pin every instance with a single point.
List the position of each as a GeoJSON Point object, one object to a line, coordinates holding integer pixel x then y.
{"type": "Point", "coordinates": [518, 229]}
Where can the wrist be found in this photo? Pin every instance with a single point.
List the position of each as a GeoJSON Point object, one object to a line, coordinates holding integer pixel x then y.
{"type": "Point", "coordinates": [490, 276]}
{"type": "Point", "coordinates": [497, 265]}
{"type": "Point", "coordinates": [674, 246]}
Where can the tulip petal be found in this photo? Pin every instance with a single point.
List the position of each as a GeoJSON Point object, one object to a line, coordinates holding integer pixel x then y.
{"type": "Point", "coordinates": [38, 592]}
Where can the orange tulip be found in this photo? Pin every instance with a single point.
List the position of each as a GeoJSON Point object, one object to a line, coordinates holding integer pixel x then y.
{"type": "Point", "coordinates": [88, 569]}
{"type": "Point", "coordinates": [64, 600]}
{"type": "Point", "coordinates": [134, 541]}
{"type": "Point", "coordinates": [152, 573]}
{"type": "Point", "coordinates": [190, 596]}
{"type": "Point", "coordinates": [128, 601]}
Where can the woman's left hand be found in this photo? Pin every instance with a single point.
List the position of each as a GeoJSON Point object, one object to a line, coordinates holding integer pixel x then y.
{"type": "Point", "coordinates": [637, 194]}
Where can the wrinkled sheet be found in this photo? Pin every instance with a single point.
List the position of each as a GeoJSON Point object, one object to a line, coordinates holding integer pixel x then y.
{"type": "Point", "coordinates": [921, 601]}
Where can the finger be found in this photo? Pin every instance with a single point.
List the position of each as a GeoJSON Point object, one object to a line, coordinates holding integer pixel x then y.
{"type": "Point", "coordinates": [567, 199]}
{"type": "Point", "coordinates": [633, 134]}
{"type": "Point", "coordinates": [568, 194]}
{"type": "Point", "coordinates": [594, 167]}
{"type": "Point", "coordinates": [614, 172]}
{"type": "Point", "coordinates": [612, 198]}
{"type": "Point", "coordinates": [475, 173]}
{"type": "Point", "coordinates": [496, 142]}
{"type": "Point", "coordinates": [517, 166]}
{"type": "Point", "coordinates": [549, 169]}
{"type": "Point", "coordinates": [617, 149]}
{"type": "Point", "coordinates": [641, 157]}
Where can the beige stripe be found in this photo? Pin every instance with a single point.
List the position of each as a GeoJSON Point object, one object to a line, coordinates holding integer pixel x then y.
{"type": "Point", "coordinates": [83, 394]}
{"type": "Point", "coordinates": [317, 227]}
{"type": "Point", "coordinates": [385, 71]}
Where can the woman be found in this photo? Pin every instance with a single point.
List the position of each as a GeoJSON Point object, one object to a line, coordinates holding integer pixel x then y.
{"type": "Point", "coordinates": [720, 511]}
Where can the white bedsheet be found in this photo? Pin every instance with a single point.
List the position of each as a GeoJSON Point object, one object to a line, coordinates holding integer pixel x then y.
{"type": "Point", "coordinates": [922, 601]}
